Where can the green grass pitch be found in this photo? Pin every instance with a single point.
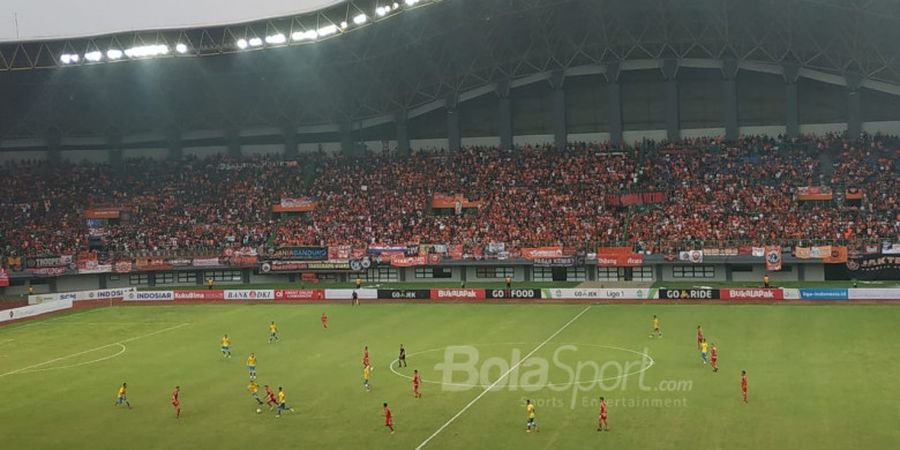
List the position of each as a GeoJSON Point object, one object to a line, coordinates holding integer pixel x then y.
{"type": "Point", "coordinates": [820, 377]}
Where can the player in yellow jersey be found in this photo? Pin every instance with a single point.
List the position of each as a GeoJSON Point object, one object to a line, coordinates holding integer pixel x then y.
{"type": "Point", "coordinates": [282, 402]}
{"type": "Point", "coordinates": [366, 372]}
{"type": "Point", "coordinates": [254, 391]}
{"type": "Point", "coordinates": [656, 327]}
{"type": "Point", "coordinates": [251, 365]}
{"type": "Point", "coordinates": [531, 424]}
{"type": "Point", "coordinates": [704, 350]}
{"type": "Point", "coordinates": [273, 332]}
{"type": "Point", "coordinates": [121, 395]}
{"type": "Point", "coordinates": [226, 346]}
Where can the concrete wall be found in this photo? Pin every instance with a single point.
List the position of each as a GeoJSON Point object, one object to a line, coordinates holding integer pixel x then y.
{"type": "Point", "coordinates": [719, 274]}
{"type": "Point", "coordinates": [262, 149]}
{"type": "Point", "coordinates": [204, 152]}
{"type": "Point", "coordinates": [150, 153]}
{"type": "Point", "coordinates": [760, 269]}
{"type": "Point", "coordinates": [78, 283]}
{"type": "Point", "coordinates": [410, 273]}
{"type": "Point", "coordinates": [28, 155]}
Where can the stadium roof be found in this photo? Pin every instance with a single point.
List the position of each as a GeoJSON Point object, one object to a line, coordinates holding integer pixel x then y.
{"type": "Point", "coordinates": [30, 20]}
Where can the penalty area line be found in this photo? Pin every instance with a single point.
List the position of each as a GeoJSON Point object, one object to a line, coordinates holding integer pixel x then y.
{"type": "Point", "coordinates": [119, 343]}
{"type": "Point", "coordinates": [500, 378]}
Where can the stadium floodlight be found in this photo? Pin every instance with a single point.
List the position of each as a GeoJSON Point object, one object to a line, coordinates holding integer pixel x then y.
{"type": "Point", "coordinates": [241, 43]}
{"type": "Point", "coordinates": [411, 2]}
{"type": "Point", "coordinates": [68, 58]}
{"type": "Point", "coordinates": [382, 11]}
{"type": "Point", "coordinates": [395, 5]}
{"type": "Point", "coordinates": [181, 48]}
{"type": "Point", "coordinates": [114, 53]}
{"type": "Point", "coordinates": [276, 39]}
{"type": "Point", "coordinates": [147, 50]}
{"type": "Point", "coordinates": [327, 30]}
{"type": "Point", "coordinates": [93, 56]}
{"type": "Point", "coordinates": [344, 25]}
{"type": "Point", "coordinates": [255, 42]}
{"type": "Point", "coordinates": [360, 19]}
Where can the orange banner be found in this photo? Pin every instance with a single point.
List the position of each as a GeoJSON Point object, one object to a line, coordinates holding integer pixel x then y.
{"type": "Point", "coordinates": [102, 213]}
{"type": "Point", "coordinates": [542, 252]}
{"type": "Point", "coordinates": [854, 194]}
{"type": "Point", "coordinates": [444, 201]}
{"type": "Point", "coordinates": [302, 204]}
{"type": "Point", "coordinates": [838, 255]}
{"type": "Point", "coordinates": [814, 193]}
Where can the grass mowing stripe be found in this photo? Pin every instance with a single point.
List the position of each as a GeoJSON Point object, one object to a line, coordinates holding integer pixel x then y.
{"type": "Point", "coordinates": [33, 366]}
{"type": "Point", "coordinates": [500, 378]}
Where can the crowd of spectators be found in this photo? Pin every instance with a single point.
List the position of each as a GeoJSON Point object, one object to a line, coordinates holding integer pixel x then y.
{"type": "Point", "coordinates": [713, 191]}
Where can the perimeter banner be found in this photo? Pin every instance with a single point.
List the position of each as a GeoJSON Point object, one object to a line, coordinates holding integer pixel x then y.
{"type": "Point", "coordinates": [513, 293]}
{"type": "Point", "coordinates": [689, 294]}
{"type": "Point", "coordinates": [600, 294]}
{"type": "Point", "coordinates": [751, 294]}
{"type": "Point", "coordinates": [458, 294]}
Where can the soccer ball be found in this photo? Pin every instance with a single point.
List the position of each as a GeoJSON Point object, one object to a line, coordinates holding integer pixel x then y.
{"type": "Point", "coordinates": [258, 410]}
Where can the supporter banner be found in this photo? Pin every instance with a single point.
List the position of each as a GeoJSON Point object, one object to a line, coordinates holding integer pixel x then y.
{"type": "Point", "coordinates": [149, 296]}
{"type": "Point", "coordinates": [4, 277]}
{"type": "Point", "coordinates": [751, 294]}
{"type": "Point", "coordinates": [689, 294]}
{"type": "Point", "coordinates": [456, 251]}
{"type": "Point", "coordinates": [629, 260]}
{"type": "Point", "coordinates": [302, 204]}
{"type": "Point", "coordinates": [96, 268]}
{"type": "Point", "coordinates": [888, 248]}
{"type": "Point", "coordinates": [565, 261]}
{"type": "Point", "coordinates": [179, 262]}
{"type": "Point", "coordinates": [773, 258]}
{"type": "Point", "coordinates": [453, 201]}
{"type": "Point", "coordinates": [542, 252]}
{"type": "Point", "coordinates": [102, 213]}
{"type": "Point", "coordinates": [408, 294]}
{"type": "Point", "coordinates": [872, 249]}
{"type": "Point", "coordinates": [381, 249]}
{"type": "Point", "coordinates": [410, 261]}
{"type": "Point", "coordinates": [440, 249]}
{"type": "Point", "coordinates": [340, 252]}
{"type": "Point", "coordinates": [873, 293]}
{"type": "Point", "coordinates": [206, 262]}
{"type": "Point", "coordinates": [35, 262]}
{"type": "Point", "coordinates": [249, 294]}
{"type": "Point", "coordinates": [244, 260]}
{"type": "Point", "coordinates": [759, 252]}
{"type": "Point", "coordinates": [458, 294]}
{"type": "Point", "coordinates": [302, 253]}
{"type": "Point", "coordinates": [513, 293]}
{"type": "Point", "coordinates": [48, 271]}
{"type": "Point", "coordinates": [299, 294]}
{"type": "Point", "coordinates": [495, 247]}
{"type": "Point", "coordinates": [123, 266]}
{"type": "Point", "coordinates": [211, 294]}
{"type": "Point", "coordinates": [14, 263]}
{"type": "Point", "coordinates": [814, 193]}
{"type": "Point", "coordinates": [635, 198]}
{"type": "Point", "coordinates": [823, 294]}
{"type": "Point", "coordinates": [298, 266]}
{"type": "Point", "coordinates": [874, 268]}
{"type": "Point", "coordinates": [34, 310]}
{"type": "Point", "coordinates": [820, 252]}
{"type": "Point", "coordinates": [802, 252]}
{"type": "Point", "coordinates": [720, 251]}
{"type": "Point", "coordinates": [694, 256]}
{"type": "Point", "coordinates": [600, 294]}
{"type": "Point", "coordinates": [854, 194]}
{"type": "Point", "coordinates": [615, 251]}
{"type": "Point", "coordinates": [347, 294]}
{"type": "Point", "coordinates": [838, 255]}
{"type": "Point", "coordinates": [151, 263]}
{"type": "Point", "coordinates": [745, 250]}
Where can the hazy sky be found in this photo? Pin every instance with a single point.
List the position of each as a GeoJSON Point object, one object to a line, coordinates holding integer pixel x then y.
{"type": "Point", "coordinates": [43, 19]}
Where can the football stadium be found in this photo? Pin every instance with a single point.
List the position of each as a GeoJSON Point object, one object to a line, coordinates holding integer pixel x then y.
{"type": "Point", "coordinates": [450, 224]}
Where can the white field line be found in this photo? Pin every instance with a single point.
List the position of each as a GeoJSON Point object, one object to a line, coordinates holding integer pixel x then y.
{"type": "Point", "coordinates": [500, 378]}
{"type": "Point", "coordinates": [120, 343]}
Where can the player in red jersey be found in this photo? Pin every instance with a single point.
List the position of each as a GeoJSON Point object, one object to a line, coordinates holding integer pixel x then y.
{"type": "Point", "coordinates": [324, 321]}
{"type": "Point", "coordinates": [603, 414]}
{"type": "Point", "coordinates": [744, 385]}
{"type": "Point", "coordinates": [175, 402]}
{"type": "Point", "coordinates": [271, 401]}
{"type": "Point", "coordinates": [417, 380]}
{"type": "Point", "coordinates": [388, 418]}
{"type": "Point", "coordinates": [714, 358]}
{"type": "Point", "coordinates": [366, 356]}
{"type": "Point", "coordinates": [699, 336]}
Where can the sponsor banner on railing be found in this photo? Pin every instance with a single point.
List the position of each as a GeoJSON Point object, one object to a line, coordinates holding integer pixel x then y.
{"type": "Point", "coordinates": [249, 294]}
{"type": "Point", "coordinates": [751, 294]}
{"type": "Point", "coordinates": [693, 256]}
{"type": "Point", "coordinates": [299, 294]}
{"type": "Point", "coordinates": [150, 296]}
{"type": "Point", "coordinates": [600, 294]}
{"type": "Point", "coordinates": [620, 260]}
{"type": "Point", "coordinates": [689, 294]}
{"type": "Point", "coordinates": [34, 310]}
{"type": "Point", "coordinates": [409, 294]}
{"type": "Point", "coordinates": [205, 262]}
{"type": "Point", "coordinates": [513, 293]}
{"type": "Point", "coordinates": [873, 293]}
{"type": "Point", "coordinates": [823, 294]}
{"type": "Point", "coordinates": [347, 294]}
{"type": "Point", "coordinates": [458, 294]}
{"type": "Point", "coordinates": [200, 295]}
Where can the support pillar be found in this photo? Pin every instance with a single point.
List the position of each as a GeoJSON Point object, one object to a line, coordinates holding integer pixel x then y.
{"type": "Point", "coordinates": [114, 146]}
{"type": "Point", "coordinates": [175, 145]}
{"type": "Point", "coordinates": [791, 101]}
{"type": "Point", "coordinates": [505, 115]}
{"type": "Point", "coordinates": [402, 134]}
{"type": "Point", "coordinates": [347, 139]}
{"type": "Point", "coordinates": [730, 99]}
{"type": "Point", "coordinates": [454, 132]}
{"type": "Point", "coordinates": [673, 123]}
{"type": "Point", "coordinates": [558, 98]}
{"type": "Point", "coordinates": [233, 141]}
{"type": "Point", "coordinates": [289, 133]}
{"type": "Point", "coordinates": [854, 105]}
{"type": "Point", "coordinates": [614, 107]}
{"type": "Point", "coordinates": [53, 141]}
